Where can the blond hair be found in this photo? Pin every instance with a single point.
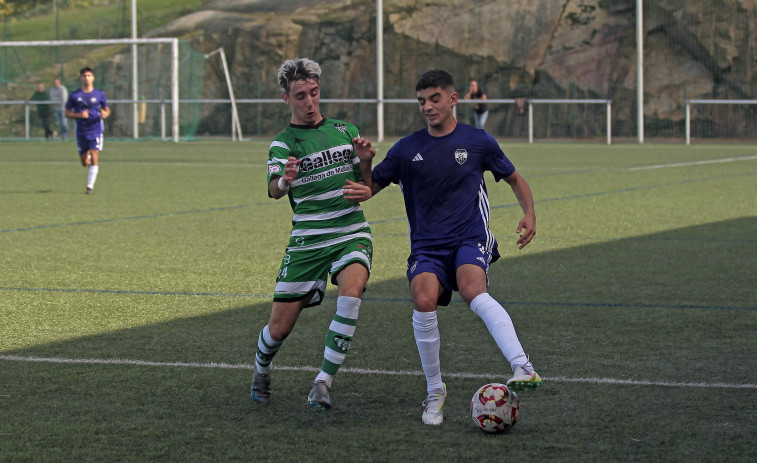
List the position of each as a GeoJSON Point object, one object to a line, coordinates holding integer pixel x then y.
{"type": "Point", "coordinates": [297, 69]}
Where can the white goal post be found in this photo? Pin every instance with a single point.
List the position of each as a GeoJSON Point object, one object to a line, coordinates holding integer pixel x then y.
{"type": "Point", "coordinates": [174, 67]}
{"type": "Point", "coordinates": [236, 126]}
{"type": "Point", "coordinates": [531, 104]}
{"type": "Point", "coordinates": [713, 102]}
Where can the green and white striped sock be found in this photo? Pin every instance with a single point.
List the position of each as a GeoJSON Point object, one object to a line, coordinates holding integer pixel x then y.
{"type": "Point", "coordinates": [339, 337]}
{"type": "Point", "coordinates": [267, 348]}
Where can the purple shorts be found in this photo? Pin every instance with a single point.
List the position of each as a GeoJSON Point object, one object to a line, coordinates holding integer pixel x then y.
{"type": "Point", "coordinates": [443, 263]}
{"type": "Point", "coordinates": [89, 142]}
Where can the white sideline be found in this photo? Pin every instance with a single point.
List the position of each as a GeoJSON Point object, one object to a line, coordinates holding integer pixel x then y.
{"type": "Point", "coordinates": [145, 163]}
{"type": "Point", "coordinates": [694, 163]}
{"type": "Point", "coordinates": [364, 371]}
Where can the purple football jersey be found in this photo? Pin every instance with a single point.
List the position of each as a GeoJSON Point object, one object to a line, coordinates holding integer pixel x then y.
{"type": "Point", "coordinates": [78, 101]}
{"type": "Point", "coordinates": [443, 184]}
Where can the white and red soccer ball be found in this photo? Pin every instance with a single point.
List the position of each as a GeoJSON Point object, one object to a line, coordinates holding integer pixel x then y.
{"type": "Point", "coordinates": [495, 408]}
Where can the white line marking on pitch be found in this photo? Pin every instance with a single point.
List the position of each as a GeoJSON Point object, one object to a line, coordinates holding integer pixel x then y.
{"type": "Point", "coordinates": [143, 163]}
{"type": "Point", "coordinates": [694, 163]}
{"type": "Point", "coordinates": [364, 371]}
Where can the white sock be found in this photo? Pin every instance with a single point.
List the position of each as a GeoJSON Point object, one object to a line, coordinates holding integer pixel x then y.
{"type": "Point", "coordinates": [92, 176]}
{"type": "Point", "coordinates": [501, 327]}
{"type": "Point", "coordinates": [426, 331]}
{"type": "Point", "coordinates": [339, 337]}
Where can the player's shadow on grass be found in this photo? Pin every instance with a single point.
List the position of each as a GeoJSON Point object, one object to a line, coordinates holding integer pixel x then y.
{"type": "Point", "coordinates": [596, 302]}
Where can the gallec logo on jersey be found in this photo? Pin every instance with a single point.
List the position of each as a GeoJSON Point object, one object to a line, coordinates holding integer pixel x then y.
{"type": "Point", "coordinates": [337, 155]}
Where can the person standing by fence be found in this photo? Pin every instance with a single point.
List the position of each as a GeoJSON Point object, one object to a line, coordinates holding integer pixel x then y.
{"type": "Point", "coordinates": [480, 112]}
{"type": "Point", "coordinates": [43, 109]}
{"type": "Point", "coordinates": [59, 95]}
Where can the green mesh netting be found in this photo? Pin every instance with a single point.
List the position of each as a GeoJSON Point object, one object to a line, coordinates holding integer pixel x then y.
{"type": "Point", "coordinates": [22, 68]}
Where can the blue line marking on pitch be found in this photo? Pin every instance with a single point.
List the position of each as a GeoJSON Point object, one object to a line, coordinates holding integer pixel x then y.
{"type": "Point", "coordinates": [132, 292]}
{"type": "Point", "coordinates": [599, 193]}
{"type": "Point", "coordinates": [611, 305]}
{"type": "Point", "coordinates": [631, 189]}
{"type": "Point", "coordinates": [137, 217]}
{"type": "Point", "coordinates": [242, 206]}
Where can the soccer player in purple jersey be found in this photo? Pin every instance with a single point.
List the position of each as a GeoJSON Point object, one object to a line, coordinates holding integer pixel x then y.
{"type": "Point", "coordinates": [440, 171]}
{"type": "Point", "coordinates": [88, 107]}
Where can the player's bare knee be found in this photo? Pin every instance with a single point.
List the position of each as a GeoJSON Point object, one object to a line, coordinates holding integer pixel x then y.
{"type": "Point", "coordinates": [422, 303]}
{"type": "Point", "coordinates": [279, 331]}
{"type": "Point", "coordinates": [468, 294]}
{"type": "Point", "coordinates": [352, 291]}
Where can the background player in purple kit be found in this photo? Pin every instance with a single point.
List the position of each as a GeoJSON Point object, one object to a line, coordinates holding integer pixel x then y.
{"type": "Point", "coordinates": [440, 171]}
{"type": "Point", "coordinates": [88, 107]}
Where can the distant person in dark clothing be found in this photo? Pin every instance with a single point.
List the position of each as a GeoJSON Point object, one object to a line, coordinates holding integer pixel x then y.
{"type": "Point", "coordinates": [480, 112]}
{"type": "Point", "coordinates": [43, 110]}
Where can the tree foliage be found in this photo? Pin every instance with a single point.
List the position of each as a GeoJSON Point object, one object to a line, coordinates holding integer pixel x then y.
{"type": "Point", "coordinates": [6, 8]}
{"type": "Point", "coordinates": [17, 8]}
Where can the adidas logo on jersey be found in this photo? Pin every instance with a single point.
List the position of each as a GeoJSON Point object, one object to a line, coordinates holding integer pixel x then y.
{"type": "Point", "coordinates": [418, 157]}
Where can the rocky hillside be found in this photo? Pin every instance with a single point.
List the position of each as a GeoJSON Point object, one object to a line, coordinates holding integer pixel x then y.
{"type": "Point", "coordinates": [517, 48]}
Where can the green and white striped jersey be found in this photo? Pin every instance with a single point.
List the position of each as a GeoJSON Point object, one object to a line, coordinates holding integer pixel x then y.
{"type": "Point", "coordinates": [322, 217]}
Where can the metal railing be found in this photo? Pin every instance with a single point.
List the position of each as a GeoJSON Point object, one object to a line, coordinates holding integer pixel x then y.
{"type": "Point", "coordinates": [531, 103]}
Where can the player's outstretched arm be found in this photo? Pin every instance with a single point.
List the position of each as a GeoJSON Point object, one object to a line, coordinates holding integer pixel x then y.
{"type": "Point", "coordinates": [527, 225]}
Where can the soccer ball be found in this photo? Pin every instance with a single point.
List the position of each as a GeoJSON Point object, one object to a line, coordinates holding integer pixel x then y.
{"type": "Point", "coordinates": [495, 408]}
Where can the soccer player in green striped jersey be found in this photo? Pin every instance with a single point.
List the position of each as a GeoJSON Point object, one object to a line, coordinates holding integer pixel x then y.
{"type": "Point", "coordinates": [323, 166]}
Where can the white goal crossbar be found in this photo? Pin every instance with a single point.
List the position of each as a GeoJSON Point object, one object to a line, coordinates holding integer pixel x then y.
{"type": "Point", "coordinates": [174, 42]}
{"type": "Point", "coordinates": [716, 102]}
